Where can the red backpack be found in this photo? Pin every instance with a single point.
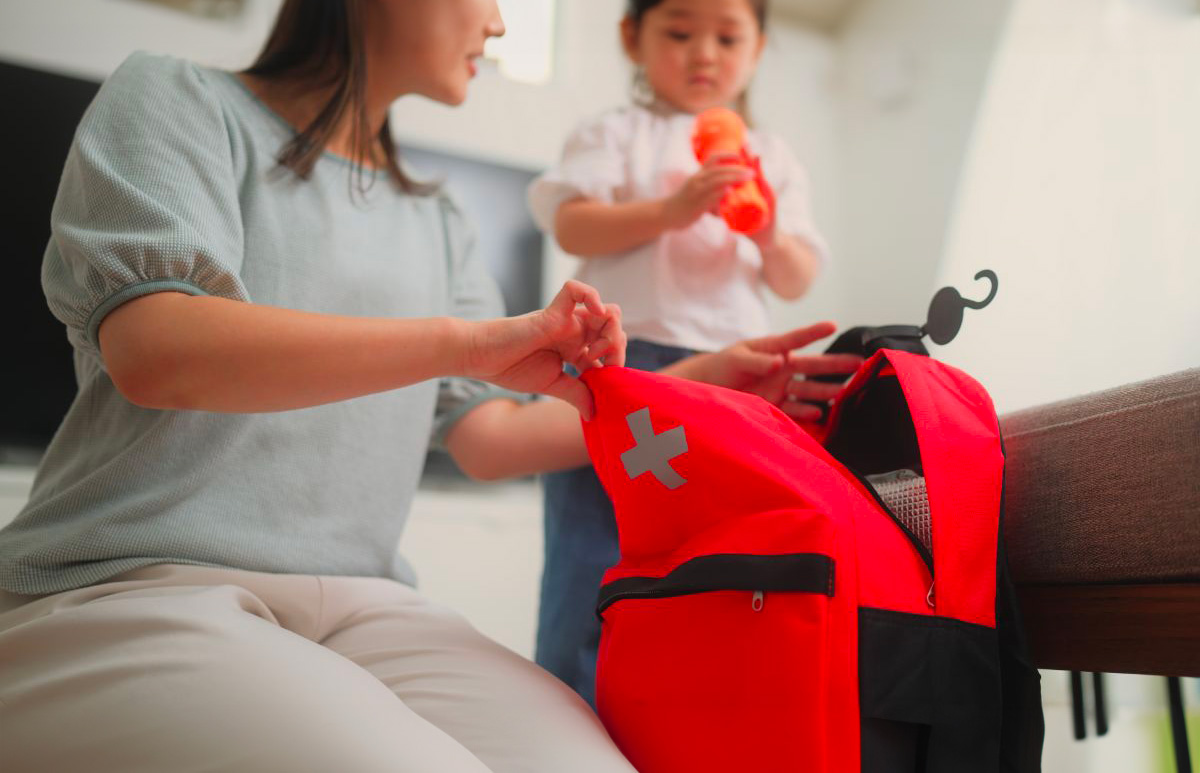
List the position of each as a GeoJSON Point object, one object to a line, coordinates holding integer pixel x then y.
{"type": "Point", "coordinates": [771, 613]}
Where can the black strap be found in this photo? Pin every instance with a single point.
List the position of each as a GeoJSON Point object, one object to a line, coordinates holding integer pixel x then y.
{"type": "Point", "coordinates": [797, 572]}
{"type": "Point", "coordinates": [1183, 757]}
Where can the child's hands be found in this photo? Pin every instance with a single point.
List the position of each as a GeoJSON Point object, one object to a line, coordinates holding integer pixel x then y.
{"type": "Point", "coordinates": [703, 191]}
{"type": "Point", "coordinates": [765, 237]}
{"type": "Point", "coordinates": [767, 367]}
{"type": "Point", "coordinates": [527, 353]}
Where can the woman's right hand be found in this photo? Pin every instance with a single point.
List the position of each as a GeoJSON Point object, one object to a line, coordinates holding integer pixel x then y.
{"type": "Point", "coordinates": [702, 192]}
{"type": "Point", "coordinates": [527, 353]}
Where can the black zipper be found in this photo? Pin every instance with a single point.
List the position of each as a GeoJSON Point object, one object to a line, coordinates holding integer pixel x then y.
{"type": "Point", "coordinates": [793, 572]}
{"type": "Point", "coordinates": [917, 544]}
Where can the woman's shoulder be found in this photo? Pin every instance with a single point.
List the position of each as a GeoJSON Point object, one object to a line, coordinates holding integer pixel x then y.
{"type": "Point", "coordinates": [152, 74]}
{"type": "Point", "coordinates": [148, 91]}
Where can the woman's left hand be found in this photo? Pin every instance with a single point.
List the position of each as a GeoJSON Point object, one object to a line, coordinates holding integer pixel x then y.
{"type": "Point", "coordinates": [527, 353]}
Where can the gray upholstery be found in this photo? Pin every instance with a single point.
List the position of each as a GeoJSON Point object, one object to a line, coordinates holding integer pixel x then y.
{"type": "Point", "coordinates": [1105, 488]}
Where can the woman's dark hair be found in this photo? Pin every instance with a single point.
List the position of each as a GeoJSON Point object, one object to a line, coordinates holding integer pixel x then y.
{"type": "Point", "coordinates": [321, 41]}
{"type": "Point", "coordinates": [636, 10]}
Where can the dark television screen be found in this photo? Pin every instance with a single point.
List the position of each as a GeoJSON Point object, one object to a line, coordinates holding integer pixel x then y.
{"type": "Point", "coordinates": [38, 382]}
{"type": "Point", "coordinates": [39, 377]}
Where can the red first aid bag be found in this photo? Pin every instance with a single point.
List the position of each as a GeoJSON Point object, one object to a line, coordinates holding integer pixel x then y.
{"type": "Point", "coordinates": [789, 603]}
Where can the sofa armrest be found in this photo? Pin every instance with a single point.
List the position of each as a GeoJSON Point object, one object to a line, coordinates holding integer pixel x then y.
{"type": "Point", "coordinates": [1102, 527]}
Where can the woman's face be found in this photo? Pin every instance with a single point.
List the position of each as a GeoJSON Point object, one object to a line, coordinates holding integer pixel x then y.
{"type": "Point", "coordinates": [697, 54]}
{"type": "Point", "coordinates": [427, 47]}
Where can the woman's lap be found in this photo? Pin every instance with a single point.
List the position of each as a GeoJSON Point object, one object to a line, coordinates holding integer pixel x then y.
{"type": "Point", "coordinates": [218, 670]}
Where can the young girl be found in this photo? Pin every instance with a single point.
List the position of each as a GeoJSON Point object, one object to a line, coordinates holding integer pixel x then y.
{"type": "Point", "coordinates": [630, 199]}
{"type": "Point", "coordinates": [270, 319]}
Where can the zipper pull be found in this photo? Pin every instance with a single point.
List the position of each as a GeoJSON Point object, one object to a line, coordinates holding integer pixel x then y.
{"type": "Point", "coordinates": [756, 601]}
{"type": "Point", "coordinates": [929, 595]}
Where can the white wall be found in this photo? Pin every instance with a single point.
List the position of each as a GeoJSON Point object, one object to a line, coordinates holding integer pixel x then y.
{"type": "Point", "coordinates": [794, 96]}
{"type": "Point", "coordinates": [89, 38]}
{"type": "Point", "coordinates": [1083, 193]}
{"type": "Point", "coordinates": [911, 74]}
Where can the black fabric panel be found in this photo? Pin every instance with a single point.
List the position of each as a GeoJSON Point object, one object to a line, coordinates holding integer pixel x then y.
{"type": "Point", "coordinates": [929, 691]}
{"type": "Point", "coordinates": [1023, 726]}
{"type": "Point", "coordinates": [875, 432]}
{"type": "Point", "coordinates": [801, 572]}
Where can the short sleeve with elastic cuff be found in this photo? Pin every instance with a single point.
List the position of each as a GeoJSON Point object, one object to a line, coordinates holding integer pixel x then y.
{"type": "Point", "coordinates": [793, 210]}
{"type": "Point", "coordinates": [592, 166]}
{"type": "Point", "coordinates": [148, 200]}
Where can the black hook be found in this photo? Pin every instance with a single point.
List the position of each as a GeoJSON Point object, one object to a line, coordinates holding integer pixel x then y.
{"type": "Point", "coordinates": [946, 310]}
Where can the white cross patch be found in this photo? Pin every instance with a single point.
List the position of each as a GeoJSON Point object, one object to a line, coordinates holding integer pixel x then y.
{"type": "Point", "coordinates": [654, 452]}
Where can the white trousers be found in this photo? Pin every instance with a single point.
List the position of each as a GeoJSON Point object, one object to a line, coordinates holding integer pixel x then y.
{"type": "Point", "coordinates": [179, 668]}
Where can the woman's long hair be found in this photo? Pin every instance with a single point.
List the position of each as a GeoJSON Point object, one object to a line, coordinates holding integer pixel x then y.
{"type": "Point", "coordinates": [321, 41]}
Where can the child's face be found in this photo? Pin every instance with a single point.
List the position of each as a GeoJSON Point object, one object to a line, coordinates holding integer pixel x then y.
{"type": "Point", "coordinates": [427, 47]}
{"type": "Point", "coordinates": [697, 54]}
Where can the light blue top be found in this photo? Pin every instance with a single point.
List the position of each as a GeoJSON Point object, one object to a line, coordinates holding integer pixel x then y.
{"type": "Point", "coordinates": [172, 184]}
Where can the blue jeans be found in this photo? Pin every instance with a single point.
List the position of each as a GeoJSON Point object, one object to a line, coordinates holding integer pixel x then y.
{"type": "Point", "coordinates": [581, 543]}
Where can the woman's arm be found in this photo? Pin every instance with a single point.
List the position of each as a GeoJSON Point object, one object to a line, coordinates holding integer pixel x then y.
{"type": "Point", "coordinates": [502, 438]}
{"type": "Point", "coordinates": [171, 350]}
{"type": "Point", "coordinates": [587, 228]}
{"type": "Point", "coordinates": [506, 439]}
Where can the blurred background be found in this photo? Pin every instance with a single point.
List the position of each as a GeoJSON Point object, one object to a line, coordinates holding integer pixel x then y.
{"type": "Point", "coordinates": [1052, 141]}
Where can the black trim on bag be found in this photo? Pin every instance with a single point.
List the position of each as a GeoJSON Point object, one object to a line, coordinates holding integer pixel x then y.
{"type": "Point", "coordinates": [885, 445]}
{"type": "Point", "coordinates": [798, 572]}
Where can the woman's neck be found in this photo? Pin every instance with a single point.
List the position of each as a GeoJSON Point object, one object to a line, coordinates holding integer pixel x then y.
{"type": "Point", "coordinates": [300, 105]}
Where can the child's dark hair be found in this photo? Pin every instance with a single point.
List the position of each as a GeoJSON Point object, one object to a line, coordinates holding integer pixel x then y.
{"type": "Point", "coordinates": [636, 10]}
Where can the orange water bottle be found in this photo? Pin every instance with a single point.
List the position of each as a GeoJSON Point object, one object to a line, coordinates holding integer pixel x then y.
{"type": "Point", "coordinates": [719, 130]}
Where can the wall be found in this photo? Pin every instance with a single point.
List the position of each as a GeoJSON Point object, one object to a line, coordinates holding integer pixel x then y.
{"type": "Point", "coordinates": [89, 38]}
{"type": "Point", "coordinates": [911, 74]}
{"type": "Point", "coordinates": [1082, 192]}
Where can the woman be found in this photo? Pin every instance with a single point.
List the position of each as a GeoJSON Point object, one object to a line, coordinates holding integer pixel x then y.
{"type": "Point", "coordinates": [205, 576]}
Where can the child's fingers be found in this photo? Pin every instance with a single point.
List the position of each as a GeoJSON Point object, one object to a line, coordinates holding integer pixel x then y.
{"type": "Point", "coordinates": [726, 175]}
{"type": "Point", "coordinates": [724, 160]}
{"type": "Point", "coordinates": [759, 364]}
{"type": "Point", "coordinates": [819, 391]}
{"type": "Point", "coordinates": [825, 364]}
{"type": "Point", "coordinates": [801, 411]}
{"type": "Point", "coordinates": [793, 339]}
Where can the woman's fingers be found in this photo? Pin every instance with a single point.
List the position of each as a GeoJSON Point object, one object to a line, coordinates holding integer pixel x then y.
{"type": "Point", "coordinates": [615, 334]}
{"type": "Point", "coordinates": [825, 364]}
{"type": "Point", "coordinates": [573, 391]}
{"type": "Point", "coordinates": [574, 293]}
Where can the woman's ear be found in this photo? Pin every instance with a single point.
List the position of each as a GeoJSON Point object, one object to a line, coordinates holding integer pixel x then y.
{"type": "Point", "coordinates": [629, 38]}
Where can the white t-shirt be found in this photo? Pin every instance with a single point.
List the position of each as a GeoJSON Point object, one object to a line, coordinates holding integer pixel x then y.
{"type": "Point", "coordinates": [699, 287]}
